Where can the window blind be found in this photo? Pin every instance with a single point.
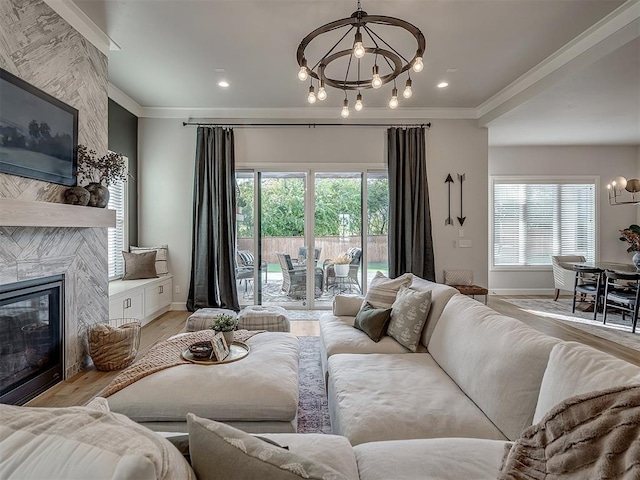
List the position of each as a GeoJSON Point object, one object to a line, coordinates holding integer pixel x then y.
{"type": "Point", "coordinates": [534, 221]}
{"type": "Point", "coordinates": [116, 239]}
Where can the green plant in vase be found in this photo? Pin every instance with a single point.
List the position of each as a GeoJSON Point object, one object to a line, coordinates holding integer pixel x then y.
{"type": "Point", "coordinates": [226, 324]}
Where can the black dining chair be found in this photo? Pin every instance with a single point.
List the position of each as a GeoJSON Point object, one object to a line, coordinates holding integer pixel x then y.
{"type": "Point", "coordinates": [588, 282]}
{"type": "Point", "coordinates": [622, 296]}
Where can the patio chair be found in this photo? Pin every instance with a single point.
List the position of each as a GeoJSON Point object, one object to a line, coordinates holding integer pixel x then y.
{"type": "Point", "coordinates": [564, 275]}
{"type": "Point", "coordinates": [302, 255]}
{"type": "Point", "coordinates": [245, 262]}
{"type": "Point", "coordinates": [352, 277]}
{"type": "Point", "coordinates": [294, 278]}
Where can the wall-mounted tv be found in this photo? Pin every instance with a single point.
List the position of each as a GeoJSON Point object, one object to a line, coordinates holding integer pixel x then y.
{"type": "Point", "coordinates": [38, 133]}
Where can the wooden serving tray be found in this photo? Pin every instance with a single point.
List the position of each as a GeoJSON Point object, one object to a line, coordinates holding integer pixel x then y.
{"type": "Point", "coordinates": [237, 351]}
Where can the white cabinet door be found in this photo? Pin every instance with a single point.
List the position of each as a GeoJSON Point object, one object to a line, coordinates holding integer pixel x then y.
{"type": "Point", "coordinates": [157, 296]}
{"type": "Point", "coordinates": [129, 304]}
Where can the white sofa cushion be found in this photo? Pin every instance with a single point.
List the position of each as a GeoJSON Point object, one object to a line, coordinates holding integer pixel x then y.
{"type": "Point", "coordinates": [440, 295]}
{"type": "Point", "coordinates": [431, 459]}
{"type": "Point", "coordinates": [262, 387]}
{"type": "Point", "coordinates": [376, 397]}
{"type": "Point", "coordinates": [497, 361]}
{"type": "Point", "coordinates": [574, 369]}
{"type": "Point", "coordinates": [82, 443]}
{"type": "Point", "coordinates": [347, 305]}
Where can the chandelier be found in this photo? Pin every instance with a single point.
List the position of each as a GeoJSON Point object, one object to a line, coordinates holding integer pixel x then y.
{"type": "Point", "coordinates": [617, 188]}
{"type": "Point", "coordinates": [367, 51]}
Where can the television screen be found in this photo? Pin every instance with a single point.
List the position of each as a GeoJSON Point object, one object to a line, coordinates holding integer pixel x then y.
{"type": "Point", "coordinates": [38, 133]}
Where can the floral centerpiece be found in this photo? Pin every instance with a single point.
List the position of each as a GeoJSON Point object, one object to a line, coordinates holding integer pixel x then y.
{"type": "Point", "coordinates": [226, 324]}
{"type": "Point", "coordinates": [99, 172]}
{"type": "Point", "coordinates": [631, 235]}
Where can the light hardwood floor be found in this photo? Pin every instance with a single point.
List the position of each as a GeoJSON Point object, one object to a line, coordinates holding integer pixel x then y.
{"type": "Point", "coordinates": [81, 388]}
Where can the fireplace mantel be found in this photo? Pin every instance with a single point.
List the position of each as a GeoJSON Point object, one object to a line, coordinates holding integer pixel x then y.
{"type": "Point", "coordinates": [25, 213]}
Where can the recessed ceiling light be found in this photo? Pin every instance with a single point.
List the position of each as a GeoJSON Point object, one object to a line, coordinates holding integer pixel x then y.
{"type": "Point", "coordinates": [443, 85]}
{"type": "Point", "coordinates": [223, 83]}
{"type": "Point", "coordinates": [220, 70]}
{"type": "Point", "coordinates": [452, 70]}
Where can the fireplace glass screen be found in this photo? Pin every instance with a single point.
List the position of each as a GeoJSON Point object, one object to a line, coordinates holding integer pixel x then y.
{"type": "Point", "coordinates": [31, 318]}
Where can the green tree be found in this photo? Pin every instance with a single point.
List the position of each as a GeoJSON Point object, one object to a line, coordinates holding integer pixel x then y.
{"type": "Point", "coordinates": [378, 206]}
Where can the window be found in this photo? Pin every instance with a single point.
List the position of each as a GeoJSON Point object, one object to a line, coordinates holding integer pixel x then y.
{"type": "Point", "coordinates": [534, 219]}
{"type": "Point", "coordinates": [117, 239]}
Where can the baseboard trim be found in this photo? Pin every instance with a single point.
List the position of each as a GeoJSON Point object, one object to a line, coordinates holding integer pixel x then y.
{"type": "Point", "coordinates": [178, 306]}
{"type": "Point", "coordinates": [521, 291]}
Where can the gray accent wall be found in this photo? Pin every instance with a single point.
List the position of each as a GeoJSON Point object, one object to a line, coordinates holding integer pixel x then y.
{"type": "Point", "coordinates": [37, 45]}
{"type": "Point", "coordinates": [123, 139]}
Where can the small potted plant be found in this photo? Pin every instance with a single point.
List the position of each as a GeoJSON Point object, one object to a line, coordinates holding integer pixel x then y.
{"type": "Point", "coordinates": [226, 324]}
{"type": "Point", "coordinates": [631, 235]}
{"type": "Point", "coordinates": [341, 265]}
{"type": "Point", "coordinates": [100, 172]}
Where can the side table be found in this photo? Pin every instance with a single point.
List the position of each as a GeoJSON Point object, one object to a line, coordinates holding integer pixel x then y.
{"type": "Point", "coordinates": [472, 291]}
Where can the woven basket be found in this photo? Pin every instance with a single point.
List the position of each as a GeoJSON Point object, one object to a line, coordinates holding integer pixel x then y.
{"type": "Point", "coordinates": [114, 345]}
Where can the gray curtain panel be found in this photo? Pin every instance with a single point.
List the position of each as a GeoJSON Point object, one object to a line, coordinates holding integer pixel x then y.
{"type": "Point", "coordinates": [410, 244]}
{"type": "Point", "coordinates": [213, 281]}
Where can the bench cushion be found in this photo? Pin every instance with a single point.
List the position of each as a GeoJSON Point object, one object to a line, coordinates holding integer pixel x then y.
{"type": "Point", "coordinates": [262, 387]}
{"type": "Point", "coordinates": [376, 397]}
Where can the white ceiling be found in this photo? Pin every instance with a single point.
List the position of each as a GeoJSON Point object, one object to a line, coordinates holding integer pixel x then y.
{"type": "Point", "coordinates": [170, 51]}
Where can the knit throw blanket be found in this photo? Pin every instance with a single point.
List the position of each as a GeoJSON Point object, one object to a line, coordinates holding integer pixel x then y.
{"type": "Point", "coordinates": [590, 436]}
{"type": "Point", "coordinates": [164, 355]}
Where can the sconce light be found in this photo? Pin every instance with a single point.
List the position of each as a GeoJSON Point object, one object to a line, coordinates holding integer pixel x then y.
{"type": "Point", "coordinates": [616, 191]}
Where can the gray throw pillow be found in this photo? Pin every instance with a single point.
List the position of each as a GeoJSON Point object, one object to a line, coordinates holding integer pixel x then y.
{"type": "Point", "coordinates": [139, 265]}
{"type": "Point", "coordinates": [372, 321]}
{"type": "Point", "coordinates": [220, 451]}
{"type": "Point", "coordinates": [408, 316]}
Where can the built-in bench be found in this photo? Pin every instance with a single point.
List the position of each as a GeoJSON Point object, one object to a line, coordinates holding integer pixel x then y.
{"type": "Point", "coordinates": [141, 300]}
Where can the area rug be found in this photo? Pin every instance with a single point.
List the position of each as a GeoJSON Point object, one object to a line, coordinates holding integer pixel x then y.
{"type": "Point", "coordinates": [616, 329]}
{"type": "Point", "coordinates": [313, 411]}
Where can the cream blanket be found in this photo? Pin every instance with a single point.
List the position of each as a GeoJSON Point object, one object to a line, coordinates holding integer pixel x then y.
{"type": "Point", "coordinates": [164, 355]}
{"type": "Point", "coordinates": [590, 436]}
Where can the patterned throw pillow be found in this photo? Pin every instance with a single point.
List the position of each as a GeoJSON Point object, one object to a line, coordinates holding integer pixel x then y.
{"type": "Point", "coordinates": [162, 252]}
{"type": "Point", "coordinates": [220, 451]}
{"type": "Point", "coordinates": [408, 316]}
{"type": "Point", "coordinates": [383, 290]}
{"type": "Point", "coordinates": [139, 265]}
{"type": "Point", "coordinates": [372, 321]}
{"type": "Point", "coordinates": [458, 277]}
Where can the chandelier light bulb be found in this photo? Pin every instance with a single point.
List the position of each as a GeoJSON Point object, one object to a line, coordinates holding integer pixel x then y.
{"type": "Point", "coordinates": [376, 81]}
{"type": "Point", "coordinates": [358, 105]}
{"type": "Point", "coordinates": [418, 65]}
{"type": "Point", "coordinates": [393, 103]}
{"type": "Point", "coordinates": [312, 95]}
{"type": "Point", "coordinates": [407, 89]}
{"type": "Point", "coordinates": [358, 48]}
{"type": "Point", "coordinates": [620, 183]}
{"type": "Point", "coordinates": [345, 109]}
{"type": "Point", "coordinates": [322, 93]}
{"type": "Point", "coordinates": [303, 74]}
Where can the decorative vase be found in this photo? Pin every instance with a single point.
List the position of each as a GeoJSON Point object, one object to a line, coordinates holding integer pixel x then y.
{"type": "Point", "coordinates": [76, 196]}
{"type": "Point", "coordinates": [228, 337]}
{"type": "Point", "coordinates": [341, 269]}
{"type": "Point", "coordinates": [98, 195]}
{"type": "Point", "coordinates": [636, 260]}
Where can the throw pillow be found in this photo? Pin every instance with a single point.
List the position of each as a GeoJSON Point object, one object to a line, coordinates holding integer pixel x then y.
{"type": "Point", "coordinates": [220, 451]}
{"type": "Point", "coordinates": [162, 252]}
{"type": "Point", "coordinates": [372, 321]}
{"type": "Point", "coordinates": [139, 265]}
{"type": "Point", "coordinates": [594, 435]}
{"type": "Point", "coordinates": [80, 442]}
{"type": "Point", "coordinates": [383, 290]}
{"type": "Point", "coordinates": [408, 316]}
{"type": "Point", "coordinates": [458, 277]}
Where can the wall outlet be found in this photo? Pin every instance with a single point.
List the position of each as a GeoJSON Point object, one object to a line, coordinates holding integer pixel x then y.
{"type": "Point", "coordinates": [176, 289]}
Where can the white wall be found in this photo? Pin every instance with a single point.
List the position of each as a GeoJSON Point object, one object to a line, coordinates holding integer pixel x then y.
{"type": "Point", "coordinates": [603, 162]}
{"type": "Point", "coordinates": [166, 164]}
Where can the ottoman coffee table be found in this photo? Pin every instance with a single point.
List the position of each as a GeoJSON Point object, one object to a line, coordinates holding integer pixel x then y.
{"type": "Point", "coordinates": [202, 318]}
{"type": "Point", "coordinates": [258, 317]}
{"type": "Point", "coordinates": [257, 394]}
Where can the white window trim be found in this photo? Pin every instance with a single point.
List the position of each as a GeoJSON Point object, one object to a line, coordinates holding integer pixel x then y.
{"type": "Point", "coordinates": [493, 179]}
{"type": "Point", "coordinates": [125, 229]}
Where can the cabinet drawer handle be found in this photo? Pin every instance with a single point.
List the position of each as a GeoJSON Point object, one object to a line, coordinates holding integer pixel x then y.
{"type": "Point", "coordinates": [161, 288]}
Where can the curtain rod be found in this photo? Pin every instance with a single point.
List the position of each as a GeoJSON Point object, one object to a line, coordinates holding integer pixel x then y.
{"type": "Point", "coordinates": [308, 125]}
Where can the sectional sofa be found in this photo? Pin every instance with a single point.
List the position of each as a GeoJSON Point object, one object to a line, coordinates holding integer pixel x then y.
{"type": "Point", "coordinates": [450, 410]}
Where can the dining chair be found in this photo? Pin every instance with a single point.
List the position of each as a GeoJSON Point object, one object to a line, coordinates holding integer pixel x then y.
{"type": "Point", "coordinates": [563, 274]}
{"type": "Point", "coordinates": [622, 296]}
{"type": "Point", "coordinates": [588, 282]}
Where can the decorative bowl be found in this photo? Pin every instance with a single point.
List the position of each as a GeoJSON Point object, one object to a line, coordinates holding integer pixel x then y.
{"type": "Point", "coordinates": [201, 349]}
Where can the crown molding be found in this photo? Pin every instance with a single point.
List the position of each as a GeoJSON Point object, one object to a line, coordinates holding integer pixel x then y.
{"type": "Point", "coordinates": [75, 17]}
{"type": "Point", "coordinates": [124, 100]}
{"type": "Point", "coordinates": [306, 113]}
{"type": "Point", "coordinates": [619, 27]}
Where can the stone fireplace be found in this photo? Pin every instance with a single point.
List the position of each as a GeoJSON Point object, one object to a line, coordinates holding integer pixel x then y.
{"type": "Point", "coordinates": [42, 239]}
